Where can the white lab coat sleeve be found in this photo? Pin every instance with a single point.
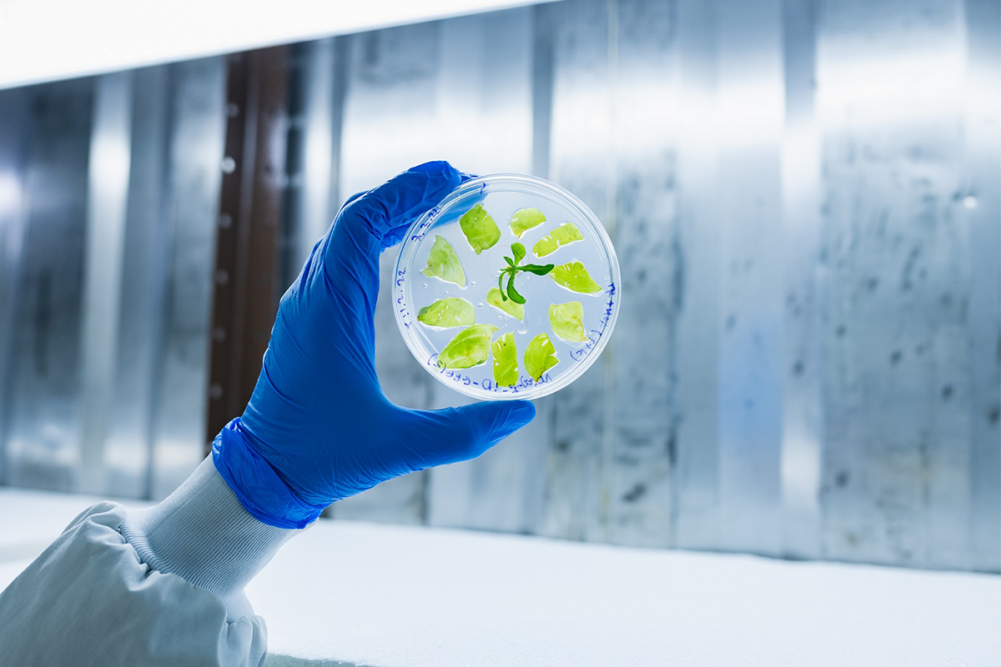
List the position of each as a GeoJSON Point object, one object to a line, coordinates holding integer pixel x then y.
{"type": "Point", "coordinates": [152, 587]}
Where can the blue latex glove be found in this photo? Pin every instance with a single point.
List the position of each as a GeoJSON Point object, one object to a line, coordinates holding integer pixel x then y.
{"type": "Point", "coordinates": [318, 427]}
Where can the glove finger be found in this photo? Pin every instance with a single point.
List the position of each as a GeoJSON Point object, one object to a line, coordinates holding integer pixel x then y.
{"type": "Point", "coordinates": [364, 222]}
{"type": "Point", "coordinates": [457, 434]}
{"type": "Point", "coordinates": [351, 249]}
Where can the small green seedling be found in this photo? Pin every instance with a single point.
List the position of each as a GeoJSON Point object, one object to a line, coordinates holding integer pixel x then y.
{"type": "Point", "coordinates": [447, 313]}
{"type": "Point", "coordinates": [513, 269]}
{"type": "Point", "coordinates": [471, 347]}
{"type": "Point", "coordinates": [480, 229]}
{"type": "Point", "coordinates": [575, 278]}
{"type": "Point", "coordinates": [567, 321]}
{"type": "Point", "coordinates": [444, 263]}
{"type": "Point", "coordinates": [525, 219]}
{"type": "Point", "coordinates": [565, 234]}
{"type": "Point", "coordinates": [540, 356]}
{"type": "Point", "coordinates": [505, 360]}
{"type": "Point", "coordinates": [497, 299]}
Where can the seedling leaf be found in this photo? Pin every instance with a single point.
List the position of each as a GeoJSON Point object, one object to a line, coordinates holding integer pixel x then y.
{"type": "Point", "coordinates": [519, 252]}
{"type": "Point", "coordinates": [537, 269]}
{"type": "Point", "coordinates": [512, 293]}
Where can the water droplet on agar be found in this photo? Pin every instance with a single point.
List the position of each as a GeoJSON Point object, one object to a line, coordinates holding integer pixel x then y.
{"type": "Point", "coordinates": [425, 284]}
{"type": "Point", "coordinates": [523, 329]}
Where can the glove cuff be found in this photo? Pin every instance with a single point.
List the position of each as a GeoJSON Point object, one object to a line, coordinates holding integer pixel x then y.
{"type": "Point", "coordinates": [257, 485]}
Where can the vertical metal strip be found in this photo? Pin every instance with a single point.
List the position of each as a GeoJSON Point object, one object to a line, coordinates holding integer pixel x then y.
{"type": "Point", "coordinates": [695, 450]}
{"type": "Point", "coordinates": [319, 155]}
{"type": "Point", "coordinates": [108, 175]}
{"type": "Point", "coordinates": [576, 501]}
{"type": "Point", "coordinates": [191, 209]}
{"type": "Point", "coordinates": [750, 98]}
{"type": "Point", "coordinates": [894, 284]}
{"type": "Point", "coordinates": [15, 107]}
{"type": "Point", "coordinates": [979, 201]}
{"type": "Point", "coordinates": [802, 367]}
{"type": "Point", "coordinates": [127, 452]}
{"type": "Point", "coordinates": [641, 415]}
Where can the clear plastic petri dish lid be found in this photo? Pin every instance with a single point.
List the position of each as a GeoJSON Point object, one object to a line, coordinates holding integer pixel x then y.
{"type": "Point", "coordinates": [455, 307]}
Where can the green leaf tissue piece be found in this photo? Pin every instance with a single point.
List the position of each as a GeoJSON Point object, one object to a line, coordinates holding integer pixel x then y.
{"type": "Point", "coordinates": [526, 219]}
{"type": "Point", "coordinates": [505, 360]}
{"type": "Point", "coordinates": [563, 235]}
{"type": "Point", "coordinates": [480, 229]}
{"type": "Point", "coordinates": [445, 313]}
{"type": "Point", "coordinates": [443, 263]}
{"type": "Point", "coordinates": [469, 348]}
{"type": "Point", "coordinates": [567, 320]}
{"type": "Point", "coordinates": [575, 278]}
{"type": "Point", "coordinates": [540, 356]}
{"type": "Point", "coordinates": [515, 310]}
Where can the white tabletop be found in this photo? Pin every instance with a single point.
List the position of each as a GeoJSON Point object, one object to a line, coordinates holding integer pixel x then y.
{"type": "Point", "coordinates": [352, 594]}
{"type": "Point", "coordinates": [385, 596]}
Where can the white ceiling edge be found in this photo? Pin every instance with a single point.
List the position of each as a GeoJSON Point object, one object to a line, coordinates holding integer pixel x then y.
{"type": "Point", "coordinates": [46, 40]}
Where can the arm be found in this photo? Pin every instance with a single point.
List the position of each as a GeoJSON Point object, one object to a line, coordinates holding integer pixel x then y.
{"type": "Point", "coordinates": [165, 585]}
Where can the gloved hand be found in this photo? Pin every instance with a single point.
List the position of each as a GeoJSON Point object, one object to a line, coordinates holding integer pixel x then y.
{"type": "Point", "coordinates": [318, 427]}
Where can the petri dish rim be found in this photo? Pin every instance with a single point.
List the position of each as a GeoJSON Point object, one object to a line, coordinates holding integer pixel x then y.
{"type": "Point", "coordinates": [502, 182]}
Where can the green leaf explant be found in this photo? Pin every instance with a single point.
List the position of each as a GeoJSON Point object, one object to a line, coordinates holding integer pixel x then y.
{"type": "Point", "coordinates": [563, 235]}
{"type": "Point", "coordinates": [480, 229]}
{"type": "Point", "coordinates": [540, 356]}
{"type": "Point", "coordinates": [526, 219]}
{"type": "Point", "coordinates": [469, 348]}
{"type": "Point", "coordinates": [446, 313]}
{"type": "Point", "coordinates": [496, 299]}
{"type": "Point", "coordinates": [575, 278]}
{"type": "Point", "coordinates": [505, 360]}
{"type": "Point", "coordinates": [567, 321]}
{"type": "Point", "coordinates": [444, 263]}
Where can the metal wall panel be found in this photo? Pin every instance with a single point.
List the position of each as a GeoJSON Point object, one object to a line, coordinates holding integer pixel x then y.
{"type": "Point", "coordinates": [140, 316]}
{"type": "Point", "coordinates": [896, 302]}
{"type": "Point", "coordinates": [107, 199]}
{"type": "Point", "coordinates": [805, 196]}
{"type": "Point", "coordinates": [44, 425]}
{"type": "Point", "coordinates": [15, 109]}
{"type": "Point", "coordinates": [980, 195]}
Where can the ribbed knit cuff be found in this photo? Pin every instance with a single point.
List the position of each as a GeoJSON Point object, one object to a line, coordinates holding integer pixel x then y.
{"type": "Point", "coordinates": [203, 534]}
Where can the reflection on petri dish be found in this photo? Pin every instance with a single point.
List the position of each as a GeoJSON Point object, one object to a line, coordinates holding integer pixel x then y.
{"type": "Point", "coordinates": [509, 288]}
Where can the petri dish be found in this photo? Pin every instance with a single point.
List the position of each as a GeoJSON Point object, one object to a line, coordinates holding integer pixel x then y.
{"type": "Point", "coordinates": [456, 313]}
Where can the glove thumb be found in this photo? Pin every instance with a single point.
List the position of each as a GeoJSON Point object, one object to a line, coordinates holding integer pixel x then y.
{"type": "Point", "coordinates": [458, 434]}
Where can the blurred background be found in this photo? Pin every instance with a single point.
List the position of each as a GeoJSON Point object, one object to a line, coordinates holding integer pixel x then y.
{"type": "Point", "coordinates": [805, 198]}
